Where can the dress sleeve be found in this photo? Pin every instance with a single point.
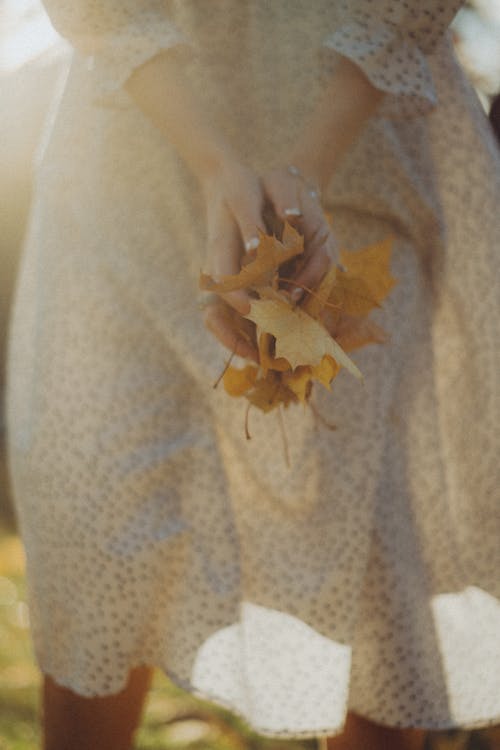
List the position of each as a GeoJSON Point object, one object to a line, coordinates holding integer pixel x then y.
{"type": "Point", "coordinates": [116, 35]}
{"type": "Point", "coordinates": [391, 41]}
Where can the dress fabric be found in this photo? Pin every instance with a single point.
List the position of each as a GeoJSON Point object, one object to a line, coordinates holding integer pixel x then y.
{"type": "Point", "coordinates": [363, 577]}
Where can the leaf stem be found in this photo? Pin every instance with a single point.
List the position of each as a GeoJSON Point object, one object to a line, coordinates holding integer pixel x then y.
{"type": "Point", "coordinates": [226, 367]}
{"type": "Point", "coordinates": [309, 291]}
{"type": "Point", "coordinates": [320, 418]}
{"type": "Point", "coordinates": [283, 436]}
{"type": "Point", "coordinates": [247, 433]}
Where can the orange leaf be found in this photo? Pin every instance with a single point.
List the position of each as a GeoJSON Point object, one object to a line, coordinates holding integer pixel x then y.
{"type": "Point", "coordinates": [314, 303]}
{"type": "Point", "coordinates": [353, 333]}
{"type": "Point", "coordinates": [351, 295]}
{"type": "Point", "coordinates": [237, 382]}
{"type": "Point", "coordinates": [270, 254]}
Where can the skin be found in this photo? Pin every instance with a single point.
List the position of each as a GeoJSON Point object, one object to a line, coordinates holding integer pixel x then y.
{"type": "Point", "coordinates": [234, 198]}
{"type": "Point", "coordinates": [71, 722]}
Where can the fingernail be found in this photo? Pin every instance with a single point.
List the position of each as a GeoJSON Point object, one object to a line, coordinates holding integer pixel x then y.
{"type": "Point", "coordinates": [292, 212]}
{"type": "Point", "coordinates": [341, 267]}
{"type": "Point", "coordinates": [252, 244]}
{"type": "Point", "coordinates": [296, 293]}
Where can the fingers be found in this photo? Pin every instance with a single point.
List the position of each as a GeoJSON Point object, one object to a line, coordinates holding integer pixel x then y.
{"type": "Point", "coordinates": [283, 192]}
{"type": "Point", "coordinates": [319, 242]}
{"type": "Point", "coordinates": [224, 252]}
{"type": "Point", "coordinates": [217, 322]}
{"type": "Point", "coordinates": [296, 202]}
{"type": "Point", "coordinates": [246, 210]}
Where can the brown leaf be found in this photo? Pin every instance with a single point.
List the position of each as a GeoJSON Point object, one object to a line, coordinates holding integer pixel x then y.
{"type": "Point", "coordinates": [267, 359]}
{"type": "Point", "coordinates": [353, 333]}
{"type": "Point", "coordinates": [270, 392]}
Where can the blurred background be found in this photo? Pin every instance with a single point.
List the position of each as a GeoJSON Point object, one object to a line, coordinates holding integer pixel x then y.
{"type": "Point", "coordinates": [33, 64]}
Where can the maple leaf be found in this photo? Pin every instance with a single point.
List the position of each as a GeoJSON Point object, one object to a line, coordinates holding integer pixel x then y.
{"type": "Point", "coordinates": [351, 295]}
{"type": "Point", "coordinates": [300, 344]}
{"type": "Point", "coordinates": [299, 338]}
{"type": "Point", "coordinates": [372, 264]}
{"type": "Point", "coordinates": [352, 333]}
{"type": "Point", "coordinates": [366, 281]}
{"type": "Point", "coordinates": [270, 254]}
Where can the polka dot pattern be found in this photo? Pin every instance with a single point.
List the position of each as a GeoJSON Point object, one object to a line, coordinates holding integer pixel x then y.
{"type": "Point", "coordinates": [365, 575]}
{"type": "Point", "coordinates": [114, 38]}
{"type": "Point", "coordinates": [391, 43]}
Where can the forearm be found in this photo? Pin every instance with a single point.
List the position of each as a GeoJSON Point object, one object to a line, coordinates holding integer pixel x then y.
{"type": "Point", "coordinates": [162, 92]}
{"type": "Point", "coordinates": [346, 104]}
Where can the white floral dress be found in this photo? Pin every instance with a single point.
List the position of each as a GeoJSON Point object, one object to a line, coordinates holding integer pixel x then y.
{"type": "Point", "coordinates": [364, 577]}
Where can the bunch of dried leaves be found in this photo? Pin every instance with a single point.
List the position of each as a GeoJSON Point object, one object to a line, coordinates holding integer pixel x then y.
{"type": "Point", "coordinates": [299, 344]}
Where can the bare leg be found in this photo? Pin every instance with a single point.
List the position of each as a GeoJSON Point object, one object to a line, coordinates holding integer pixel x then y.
{"type": "Point", "coordinates": [72, 722]}
{"type": "Point", "coordinates": [362, 734]}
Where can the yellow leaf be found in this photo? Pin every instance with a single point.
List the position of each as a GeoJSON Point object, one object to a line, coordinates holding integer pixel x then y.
{"type": "Point", "coordinates": [270, 254]}
{"type": "Point", "coordinates": [237, 382]}
{"type": "Point", "coordinates": [371, 265]}
{"type": "Point", "coordinates": [326, 371]}
{"type": "Point", "coordinates": [351, 295]}
{"type": "Point", "coordinates": [299, 338]}
{"type": "Point", "coordinates": [299, 381]}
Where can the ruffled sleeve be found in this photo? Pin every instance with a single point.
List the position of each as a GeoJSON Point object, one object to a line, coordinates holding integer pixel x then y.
{"type": "Point", "coordinates": [116, 36]}
{"type": "Point", "coordinates": [391, 40]}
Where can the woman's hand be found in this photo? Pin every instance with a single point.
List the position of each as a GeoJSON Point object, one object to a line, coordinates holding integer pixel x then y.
{"type": "Point", "coordinates": [297, 201]}
{"type": "Point", "coordinates": [236, 199]}
{"type": "Point", "coordinates": [235, 196]}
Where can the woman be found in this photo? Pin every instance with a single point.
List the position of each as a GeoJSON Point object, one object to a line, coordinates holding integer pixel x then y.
{"type": "Point", "coordinates": [361, 579]}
